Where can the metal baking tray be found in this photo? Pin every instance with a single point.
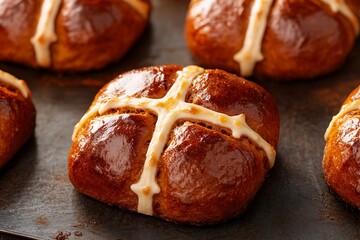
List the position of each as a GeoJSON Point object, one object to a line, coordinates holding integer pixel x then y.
{"type": "Point", "coordinates": [37, 199]}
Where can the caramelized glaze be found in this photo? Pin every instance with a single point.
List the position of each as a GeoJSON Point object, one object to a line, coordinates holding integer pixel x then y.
{"type": "Point", "coordinates": [189, 137]}
{"type": "Point", "coordinates": [342, 151]}
{"type": "Point", "coordinates": [70, 35]}
{"type": "Point", "coordinates": [170, 109]}
{"type": "Point", "coordinates": [17, 116]}
{"type": "Point", "coordinates": [288, 41]}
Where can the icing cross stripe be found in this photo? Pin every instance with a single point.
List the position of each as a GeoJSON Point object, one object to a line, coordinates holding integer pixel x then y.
{"type": "Point", "coordinates": [45, 33]}
{"type": "Point", "coordinates": [169, 109]}
{"type": "Point", "coordinates": [345, 109]}
{"type": "Point", "coordinates": [250, 53]}
{"type": "Point", "coordinates": [10, 80]}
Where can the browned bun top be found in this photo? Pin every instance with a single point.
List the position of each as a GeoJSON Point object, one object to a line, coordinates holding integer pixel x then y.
{"type": "Point", "coordinates": [302, 39]}
{"type": "Point", "coordinates": [341, 154]}
{"type": "Point", "coordinates": [214, 89]}
{"type": "Point", "coordinates": [201, 167]}
{"type": "Point", "coordinates": [307, 38]}
{"type": "Point", "coordinates": [17, 121]}
{"type": "Point", "coordinates": [215, 31]}
{"type": "Point", "coordinates": [90, 34]}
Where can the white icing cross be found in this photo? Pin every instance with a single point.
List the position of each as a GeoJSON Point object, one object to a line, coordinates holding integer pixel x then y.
{"type": "Point", "coordinates": [45, 32]}
{"type": "Point", "coordinates": [140, 6]}
{"type": "Point", "coordinates": [354, 105]}
{"type": "Point", "coordinates": [250, 53]}
{"type": "Point", "coordinates": [9, 79]}
{"type": "Point", "coordinates": [169, 109]}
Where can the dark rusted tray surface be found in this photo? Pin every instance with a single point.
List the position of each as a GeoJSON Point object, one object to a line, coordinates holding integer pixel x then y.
{"type": "Point", "coordinates": [37, 199]}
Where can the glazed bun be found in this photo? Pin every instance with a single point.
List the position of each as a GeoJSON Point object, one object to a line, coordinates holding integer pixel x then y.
{"type": "Point", "coordinates": [17, 116]}
{"type": "Point", "coordinates": [185, 144]}
{"type": "Point", "coordinates": [279, 40]}
{"type": "Point", "coordinates": [70, 35]}
{"type": "Point", "coordinates": [341, 161]}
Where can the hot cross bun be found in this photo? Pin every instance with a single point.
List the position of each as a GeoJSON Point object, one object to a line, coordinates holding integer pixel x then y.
{"type": "Point", "coordinates": [185, 144]}
{"type": "Point", "coordinates": [280, 40]}
{"type": "Point", "coordinates": [341, 160]}
{"type": "Point", "coordinates": [70, 35]}
{"type": "Point", "coordinates": [17, 116]}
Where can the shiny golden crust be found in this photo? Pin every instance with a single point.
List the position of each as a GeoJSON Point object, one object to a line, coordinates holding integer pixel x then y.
{"type": "Point", "coordinates": [303, 39]}
{"type": "Point", "coordinates": [341, 160]}
{"type": "Point", "coordinates": [17, 122]}
{"type": "Point", "coordinates": [91, 33]}
{"type": "Point", "coordinates": [206, 176]}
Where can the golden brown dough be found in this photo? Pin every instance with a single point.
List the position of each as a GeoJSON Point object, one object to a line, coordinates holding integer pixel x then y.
{"type": "Point", "coordinates": [89, 34]}
{"type": "Point", "coordinates": [204, 172]}
{"type": "Point", "coordinates": [302, 39]}
{"type": "Point", "coordinates": [17, 116]}
{"type": "Point", "coordinates": [341, 161]}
